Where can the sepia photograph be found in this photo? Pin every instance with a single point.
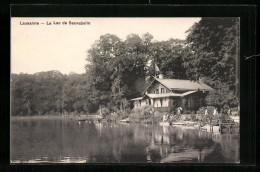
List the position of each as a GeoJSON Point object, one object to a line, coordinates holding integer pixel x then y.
{"type": "Point", "coordinates": [125, 90]}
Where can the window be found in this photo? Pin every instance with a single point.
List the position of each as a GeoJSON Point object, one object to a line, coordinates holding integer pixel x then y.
{"type": "Point", "coordinates": [162, 90]}
{"type": "Point", "coordinates": [189, 102]}
{"type": "Point", "coordinates": [157, 91]}
{"type": "Point", "coordinates": [201, 101]}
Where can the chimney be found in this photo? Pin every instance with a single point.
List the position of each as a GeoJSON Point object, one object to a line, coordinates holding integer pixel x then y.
{"type": "Point", "coordinates": [161, 76]}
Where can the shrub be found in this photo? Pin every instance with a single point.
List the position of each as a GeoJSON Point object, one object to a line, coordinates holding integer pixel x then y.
{"type": "Point", "coordinates": [209, 108]}
{"type": "Point", "coordinates": [105, 112]}
{"type": "Point", "coordinates": [113, 117]}
{"type": "Point", "coordinates": [193, 117]}
{"type": "Point", "coordinates": [144, 112]}
{"type": "Point", "coordinates": [158, 116]}
{"type": "Point", "coordinates": [174, 118]}
{"type": "Point", "coordinates": [122, 114]}
{"type": "Point", "coordinates": [134, 117]}
{"type": "Point", "coordinates": [188, 111]}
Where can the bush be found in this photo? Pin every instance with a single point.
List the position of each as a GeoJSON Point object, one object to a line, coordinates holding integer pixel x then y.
{"type": "Point", "coordinates": [144, 112]}
{"type": "Point", "coordinates": [209, 108]}
{"type": "Point", "coordinates": [207, 118]}
{"type": "Point", "coordinates": [122, 114]}
{"type": "Point", "coordinates": [105, 112]}
{"type": "Point", "coordinates": [113, 117]}
{"type": "Point", "coordinates": [174, 118]}
{"type": "Point", "coordinates": [141, 113]}
{"type": "Point", "coordinates": [193, 117]}
{"type": "Point", "coordinates": [189, 111]}
{"type": "Point", "coordinates": [158, 116]}
{"type": "Point", "coordinates": [134, 117]}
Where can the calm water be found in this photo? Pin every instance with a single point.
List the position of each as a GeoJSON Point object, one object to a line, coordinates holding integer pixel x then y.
{"type": "Point", "coordinates": [70, 141]}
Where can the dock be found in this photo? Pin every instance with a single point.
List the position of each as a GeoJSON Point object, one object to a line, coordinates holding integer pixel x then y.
{"type": "Point", "coordinates": [219, 126]}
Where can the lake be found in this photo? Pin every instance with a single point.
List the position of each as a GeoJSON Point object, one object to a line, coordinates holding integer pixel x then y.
{"type": "Point", "coordinates": [71, 141]}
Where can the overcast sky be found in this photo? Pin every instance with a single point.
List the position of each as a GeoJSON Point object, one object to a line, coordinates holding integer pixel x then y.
{"type": "Point", "coordinates": [36, 48]}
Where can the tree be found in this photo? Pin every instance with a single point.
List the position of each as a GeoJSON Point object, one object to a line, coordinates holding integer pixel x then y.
{"type": "Point", "coordinates": [116, 67]}
{"type": "Point", "coordinates": [75, 94]}
{"type": "Point", "coordinates": [22, 94]}
{"type": "Point", "coordinates": [212, 52]}
{"type": "Point", "coordinates": [99, 67]}
{"type": "Point", "coordinates": [168, 57]}
{"type": "Point", "coordinates": [47, 92]}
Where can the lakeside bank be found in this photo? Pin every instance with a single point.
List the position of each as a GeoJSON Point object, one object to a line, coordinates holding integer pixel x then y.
{"type": "Point", "coordinates": [70, 117]}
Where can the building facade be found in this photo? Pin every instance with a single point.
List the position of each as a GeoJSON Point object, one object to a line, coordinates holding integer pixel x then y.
{"type": "Point", "coordinates": [190, 95]}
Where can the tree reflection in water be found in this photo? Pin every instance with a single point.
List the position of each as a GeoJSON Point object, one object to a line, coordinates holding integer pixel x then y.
{"type": "Point", "coordinates": [65, 141]}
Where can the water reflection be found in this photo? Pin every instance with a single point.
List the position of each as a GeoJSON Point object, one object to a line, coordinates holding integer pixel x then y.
{"type": "Point", "coordinates": [68, 141]}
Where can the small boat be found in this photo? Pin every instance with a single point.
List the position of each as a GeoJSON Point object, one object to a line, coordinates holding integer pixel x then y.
{"type": "Point", "coordinates": [126, 120]}
{"type": "Point", "coordinates": [177, 123]}
{"type": "Point", "coordinates": [188, 127]}
{"type": "Point", "coordinates": [164, 123]}
{"type": "Point", "coordinates": [235, 118]}
{"type": "Point", "coordinates": [206, 127]}
{"type": "Point", "coordinates": [215, 129]}
{"type": "Point", "coordinates": [189, 123]}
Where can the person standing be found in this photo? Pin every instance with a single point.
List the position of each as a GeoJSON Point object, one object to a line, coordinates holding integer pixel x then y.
{"type": "Point", "coordinates": [206, 112]}
{"type": "Point", "coordinates": [229, 111]}
{"type": "Point", "coordinates": [215, 112]}
{"type": "Point", "coordinates": [179, 110]}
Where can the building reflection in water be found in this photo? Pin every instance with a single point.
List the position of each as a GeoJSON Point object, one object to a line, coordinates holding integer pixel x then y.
{"type": "Point", "coordinates": [54, 140]}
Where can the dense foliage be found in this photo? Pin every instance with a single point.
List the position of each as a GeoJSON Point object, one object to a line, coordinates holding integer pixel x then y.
{"type": "Point", "coordinates": [118, 70]}
{"type": "Point", "coordinates": [50, 93]}
{"type": "Point", "coordinates": [212, 53]}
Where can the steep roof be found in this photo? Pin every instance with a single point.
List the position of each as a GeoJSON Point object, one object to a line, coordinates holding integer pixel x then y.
{"type": "Point", "coordinates": [178, 84]}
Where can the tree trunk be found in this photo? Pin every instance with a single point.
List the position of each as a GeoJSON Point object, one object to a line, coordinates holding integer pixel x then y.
{"type": "Point", "coordinates": [28, 107]}
{"type": "Point", "coordinates": [100, 110]}
{"type": "Point", "coordinates": [121, 106]}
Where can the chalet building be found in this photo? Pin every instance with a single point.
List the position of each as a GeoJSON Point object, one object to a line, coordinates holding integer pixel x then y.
{"type": "Point", "coordinates": [189, 95]}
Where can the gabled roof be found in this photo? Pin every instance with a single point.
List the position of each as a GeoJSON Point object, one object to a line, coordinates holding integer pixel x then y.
{"type": "Point", "coordinates": [178, 84]}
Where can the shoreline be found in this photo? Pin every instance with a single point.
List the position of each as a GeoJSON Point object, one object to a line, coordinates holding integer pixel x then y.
{"type": "Point", "coordinates": [76, 117]}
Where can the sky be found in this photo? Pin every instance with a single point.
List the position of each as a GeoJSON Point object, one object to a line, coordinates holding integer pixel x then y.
{"type": "Point", "coordinates": [63, 47]}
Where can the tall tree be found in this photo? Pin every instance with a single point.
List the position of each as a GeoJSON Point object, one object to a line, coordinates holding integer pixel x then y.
{"type": "Point", "coordinates": [212, 52]}
{"type": "Point", "coordinates": [168, 57]}
{"type": "Point", "coordinates": [99, 69]}
{"type": "Point", "coordinates": [75, 94]}
{"type": "Point", "coordinates": [116, 68]}
{"type": "Point", "coordinates": [22, 94]}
